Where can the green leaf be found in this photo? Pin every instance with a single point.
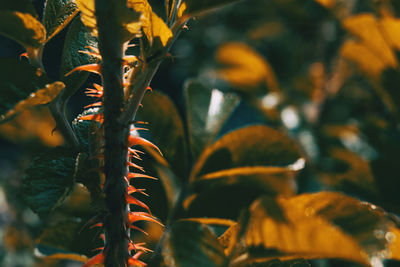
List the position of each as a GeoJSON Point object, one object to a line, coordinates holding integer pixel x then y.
{"type": "Point", "coordinates": [23, 28]}
{"type": "Point", "coordinates": [57, 15]}
{"type": "Point", "coordinates": [40, 97]}
{"type": "Point", "coordinates": [248, 162]}
{"type": "Point", "coordinates": [166, 130]}
{"type": "Point", "coordinates": [318, 225]}
{"type": "Point", "coordinates": [18, 80]}
{"type": "Point", "coordinates": [207, 110]}
{"type": "Point", "coordinates": [191, 8]}
{"type": "Point", "coordinates": [78, 39]}
{"type": "Point", "coordinates": [250, 146]}
{"type": "Point", "coordinates": [66, 239]}
{"type": "Point", "coordinates": [48, 180]}
{"type": "Point", "coordinates": [190, 243]}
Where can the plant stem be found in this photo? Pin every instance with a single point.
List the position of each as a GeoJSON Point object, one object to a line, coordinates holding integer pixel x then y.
{"type": "Point", "coordinates": [115, 135]}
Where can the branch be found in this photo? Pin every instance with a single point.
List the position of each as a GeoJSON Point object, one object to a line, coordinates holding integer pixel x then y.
{"type": "Point", "coordinates": [115, 134]}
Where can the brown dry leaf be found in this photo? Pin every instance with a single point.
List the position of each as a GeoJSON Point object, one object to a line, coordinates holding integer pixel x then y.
{"type": "Point", "coordinates": [319, 225]}
{"type": "Point", "coordinates": [366, 28]}
{"type": "Point", "coordinates": [41, 97]}
{"type": "Point", "coordinates": [246, 67]}
{"type": "Point", "coordinates": [32, 124]}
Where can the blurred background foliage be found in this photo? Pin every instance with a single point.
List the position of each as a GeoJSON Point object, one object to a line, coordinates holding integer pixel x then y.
{"type": "Point", "coordinates": [324, 72]}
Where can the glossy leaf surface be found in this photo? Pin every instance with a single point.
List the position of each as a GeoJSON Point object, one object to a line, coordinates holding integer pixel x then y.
{"type": "Point", "coordinates": [57, 15]}
{"type": "Point", "coordinates": [256, 145]}
{"type": "Point", "coordinates": [319, 225]}
{"type": "Point", "coordinates": [207, 110]}
{"type": "Point", "coordinates": [190, 243]}
{"type": "Point", "coordinates": [48, 180]}
{"type": "Point", "coordinates": [18, 80]}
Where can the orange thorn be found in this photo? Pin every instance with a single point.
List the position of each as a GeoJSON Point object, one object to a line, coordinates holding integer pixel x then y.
{"type": "Point", "coordinates": [131, 164]}
{"type": "Point", "coordinates": [132, 175]}
{"type": "Point", "coordinates": [97, 259]}
{"type": "Point", "coordinates": [23, 55]}
{"type": "Point", "coordinates": [131, 200]}
{"type": "Point", "coordinates": [135, 140]}
{"type": "Point", "coordinates": [94, 68]}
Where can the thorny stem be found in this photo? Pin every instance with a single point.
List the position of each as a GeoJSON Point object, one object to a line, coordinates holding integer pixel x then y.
{"type": "Point", "coordinates": [115, 135]}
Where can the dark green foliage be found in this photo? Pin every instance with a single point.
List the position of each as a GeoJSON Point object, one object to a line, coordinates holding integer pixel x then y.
{"type": "Point", "coordinates": [18, 80]}
{"type": "Point", "coordinates": [48, 180]}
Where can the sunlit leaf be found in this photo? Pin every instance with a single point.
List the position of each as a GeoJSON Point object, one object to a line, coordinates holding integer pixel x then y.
{"type": "Point", "coordinates": [33, 125]}
{"type": "Point", "coordinates": [246, 69]}
{"type": "Point", "coordinates": [229, 238]}
{"type": "Point", "coordinates": [23, 28]}
{"type": "Point", "coordinates": [78, 39]}
{"type": "Point", "coordinates": [165, 129]}
{"type": "Point", "coordinates": [129, 19]}
{"type": "Point", "coordinates": [157, 32]}
{"type": "Point", "coordinates": [191, 8]}
{"type": "Point", "coordinates": [57, 14]}
{"type": "Point", "coordinates": [327, 3]}
{"type": "Point", "coordinates": [367, 61]}
{"type": "Point", "coordinates": [366, 27]}
{"type": "Point", "coordinates": [211, 221]}
{"type": "Point", "coordinates": [18, 80]}
{"type": "Point", "coordinates": [355, 172]}
{"type": "Point", "coordinates": [48, 180]}
{"type": "Point", "coordinates": [40, 97]}
{"type": "Point", "coordinates": [256, 145]}
{"type": "Point", "coordinates": [207, 110]}
{"type": "Point", "coordinates": [190, 243]}
{"type": "Point", "coordinates": [390, 27]}
{"type": "Point", "coordinates": [319, 225]}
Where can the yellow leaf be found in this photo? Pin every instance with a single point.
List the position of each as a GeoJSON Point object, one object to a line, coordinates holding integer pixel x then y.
{"type": "Point", "coordinates": [87, 14]}
{"type": "Point", "coordinates": [41, 97]}
{"type": "Point", "coordinates": [23, 28]}
{"type": "Point", "coordinates": [363, 57]}
{"type": "Point", "coordinates": [393, 238]}
{"type": "Point", "coordinates": [129, 20]}
{"type": "Point", "coordinates": [212, 221]}
{"type": "Point", "coordinates": [391, 30]}
{"type": "Point", "coordinates": [319, 225]}
{"type": "Point", "coordinates": [32, 125]}
{"type": "Point", "coordinates": [366, 28]}
{"type": "Point", "coordinates": [153, 26]}
{"type": "Point", "coordinates": [246, 68]}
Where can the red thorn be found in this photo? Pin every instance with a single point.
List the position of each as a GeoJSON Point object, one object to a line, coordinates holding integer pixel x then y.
{"type": "Point", "coordinates": [131, 200]}
{"type": "Point", "coordinates": [136, 140]}
{"type": "Point", "coordinates": [96, 225]}
{"type": "Point", "coordinates": [93, 117]}
{"type": "Point", "coordinates": [94, 49]}
{"type": "Point", "coordinates": [96, 104]}
{"type": "Point", "coordinates": [138, 246]}
{"type": "Point", "coordinates": [99, 248]}
{"type": "Point", "coordinates": [139, 229]}
{"type": "Point", "coordinates": [141, 216]}
{"type": "Point", "coordinates": [94, 68]}
{"type": "Point", "coordinates": [128, 163]}
{"type": "Point", "coordinates": [132, 175]}
{"type": "Point", "coordinates": [131, 189]}
{"type": "Point", "coordinates": [97, 259]}
{"type": "Point", "coordinates": [149, 89]}
{"type": "Point", "coordinates": [134, 262]}
{"type": "Point", "coordinates": [23, 55]}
